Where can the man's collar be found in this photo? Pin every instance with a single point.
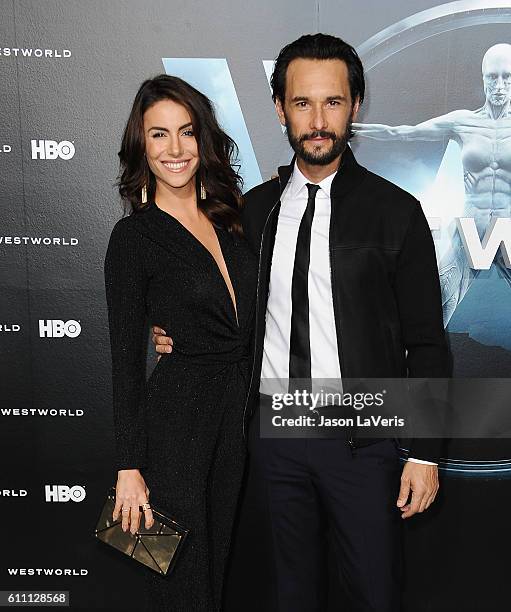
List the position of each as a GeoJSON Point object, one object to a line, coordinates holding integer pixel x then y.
{"type": "Point", "coordinates": [298, 181]}
{"type": "Point", "coordinates": [350, 173]}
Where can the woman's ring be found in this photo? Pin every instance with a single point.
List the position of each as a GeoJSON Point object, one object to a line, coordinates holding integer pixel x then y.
{"type": "Point", "coordinates": [146, 506]}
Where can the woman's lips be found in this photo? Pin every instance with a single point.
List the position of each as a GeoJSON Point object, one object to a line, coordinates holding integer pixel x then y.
{"type": "Point", "coordinates": [176, 167]}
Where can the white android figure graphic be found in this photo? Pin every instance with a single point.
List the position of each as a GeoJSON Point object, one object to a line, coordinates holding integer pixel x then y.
{"type": "Point", "coordinates": [484, 137]}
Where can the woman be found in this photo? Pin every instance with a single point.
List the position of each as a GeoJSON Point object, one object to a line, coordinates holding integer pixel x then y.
{"type": "Point", "coordinates": [178, 260]}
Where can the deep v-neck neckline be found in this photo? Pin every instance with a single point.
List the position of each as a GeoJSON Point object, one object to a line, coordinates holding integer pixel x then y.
{"type": "Point", "coordinates": [234, 303]}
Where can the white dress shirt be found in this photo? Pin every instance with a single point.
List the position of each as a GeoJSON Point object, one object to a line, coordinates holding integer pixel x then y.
{"type": "Point", "coordinates": [323, 335]}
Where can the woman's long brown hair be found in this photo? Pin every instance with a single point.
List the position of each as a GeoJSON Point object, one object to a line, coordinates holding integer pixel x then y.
{"type": "Point", "coordinates": [218, 170]}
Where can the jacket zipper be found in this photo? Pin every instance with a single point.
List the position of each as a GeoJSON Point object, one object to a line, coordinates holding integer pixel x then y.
{"type": "Point", "coordinates": [339, 343]}
{"type": "Point", "coordinates": [256, 313]}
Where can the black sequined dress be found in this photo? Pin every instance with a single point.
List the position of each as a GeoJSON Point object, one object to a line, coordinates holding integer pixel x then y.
{"type": "Point", "coordinates": [183, 426]}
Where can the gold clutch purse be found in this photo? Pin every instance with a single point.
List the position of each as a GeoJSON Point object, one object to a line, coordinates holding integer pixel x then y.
{"type": "Point", "coordinates": [156, 548]}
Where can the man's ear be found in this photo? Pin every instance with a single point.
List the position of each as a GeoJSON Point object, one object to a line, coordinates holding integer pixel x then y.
{"type": "Point", "coordinates": [355, 109]}
{"type": "Point", "coordinates": [280, 111]}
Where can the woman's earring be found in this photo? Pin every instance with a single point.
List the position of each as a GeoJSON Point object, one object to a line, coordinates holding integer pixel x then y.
{"type": "Point", "coordinates": [202, 191]}
{"type": "Point", "coordinates": [144, 195]}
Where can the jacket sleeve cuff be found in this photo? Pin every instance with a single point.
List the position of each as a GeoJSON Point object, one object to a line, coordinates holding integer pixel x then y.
{"type": "Point", "coordinates": [413, 460]}
{"type": "Point", "coordinates": [427, 449]}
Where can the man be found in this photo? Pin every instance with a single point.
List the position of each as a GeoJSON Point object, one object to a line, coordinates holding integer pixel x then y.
{"type": "Point", "coordinates": [348, 287]}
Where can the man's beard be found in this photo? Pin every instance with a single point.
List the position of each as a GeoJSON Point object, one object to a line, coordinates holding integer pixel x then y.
{"type": "Point", "coordinates": [315, 156]}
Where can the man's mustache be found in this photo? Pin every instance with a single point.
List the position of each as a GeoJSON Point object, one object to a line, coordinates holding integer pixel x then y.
{"type": "Point", "coordinates": [318, 134]}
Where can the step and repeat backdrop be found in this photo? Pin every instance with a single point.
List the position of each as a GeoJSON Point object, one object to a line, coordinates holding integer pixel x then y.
{"type": "Point", "coordinates": [69, 71]}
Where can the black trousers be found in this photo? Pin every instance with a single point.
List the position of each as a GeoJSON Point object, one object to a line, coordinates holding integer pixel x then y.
{"type": "Point", "coordinates": [298, 491]}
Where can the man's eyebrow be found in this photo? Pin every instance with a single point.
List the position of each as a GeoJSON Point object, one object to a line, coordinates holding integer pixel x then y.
{"type": "Point", "coordinates": [328, 98]}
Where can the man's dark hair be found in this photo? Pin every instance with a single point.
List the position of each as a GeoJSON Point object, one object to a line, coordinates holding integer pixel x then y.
{"type": "Point", "coordinates": [318, 47]}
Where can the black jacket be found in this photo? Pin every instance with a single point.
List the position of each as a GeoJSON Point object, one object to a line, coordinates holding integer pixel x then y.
{"type": "Point", "coordinates": [385, 285]}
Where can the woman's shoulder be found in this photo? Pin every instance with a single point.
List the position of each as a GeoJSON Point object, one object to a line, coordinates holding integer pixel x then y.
{"type": "Point", "coordinates": [126, 244]}
{"type": "Point", "coordinates": [126, 236]}
{"type": "Point", "coordinates": [122, 230]}
{"type": "Point", "coordinates": [129, 225]}
{"type": "Point", "coordinates": [123, 223]}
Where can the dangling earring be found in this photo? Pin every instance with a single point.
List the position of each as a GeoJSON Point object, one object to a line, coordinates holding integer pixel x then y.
{"type": "Point", "coordinates": [202, 191]}
{"type": "Point", "coordinates": [144, 195]}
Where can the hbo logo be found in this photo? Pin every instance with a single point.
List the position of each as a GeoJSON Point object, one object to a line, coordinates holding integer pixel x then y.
{"type": "Point", "coordinates": [49, 149]}
{"type": "Point", "coordinates": [63, 493]}
{"type": "Point", "coordinates": [58, 329]}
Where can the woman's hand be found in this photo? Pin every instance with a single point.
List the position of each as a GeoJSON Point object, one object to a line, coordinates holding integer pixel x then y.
{"type": "Point", "coordinates": [162, 342]}
{"type": "Point", "coordinates": [130, 493]}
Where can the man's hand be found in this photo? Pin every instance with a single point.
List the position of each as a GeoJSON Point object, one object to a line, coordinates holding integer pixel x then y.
{"type": "Point", "coordinates": [422, 481]}
{"type": "Point", "coordinates": [163, 343]}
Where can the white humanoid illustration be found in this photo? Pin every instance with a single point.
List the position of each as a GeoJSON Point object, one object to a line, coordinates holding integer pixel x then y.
{"type": "Point", "coordinates": [484, 137]}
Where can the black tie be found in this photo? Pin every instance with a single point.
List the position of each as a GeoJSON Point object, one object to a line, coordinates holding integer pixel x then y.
{"type": "Point", "coordinates": [299, 343]}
